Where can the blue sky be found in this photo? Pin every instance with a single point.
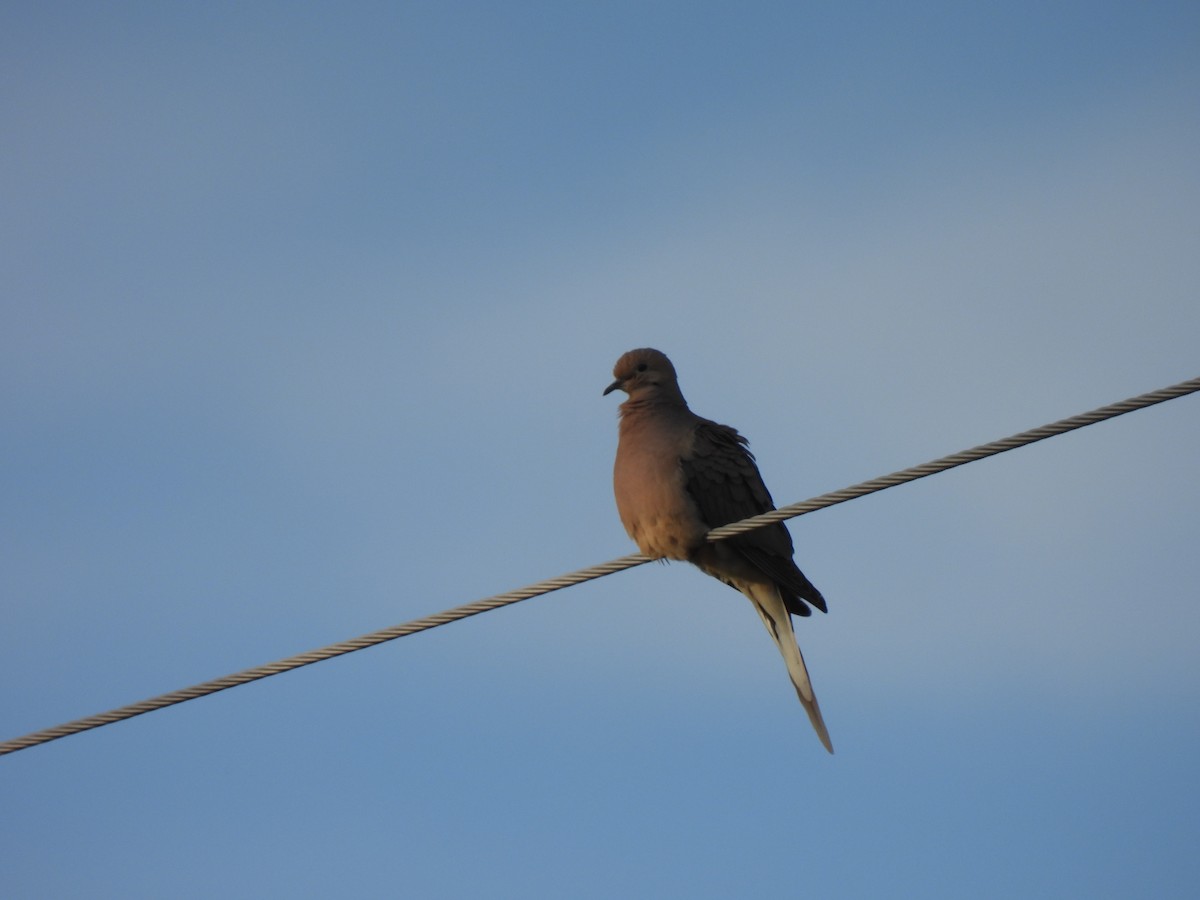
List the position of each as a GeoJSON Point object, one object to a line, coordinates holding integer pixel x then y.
{"type": "Point", "coordinates": [307, 312]}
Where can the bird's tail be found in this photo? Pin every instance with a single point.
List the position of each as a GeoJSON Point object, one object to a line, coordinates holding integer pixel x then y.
{"type": "Point", "coordinates": [769, 603]}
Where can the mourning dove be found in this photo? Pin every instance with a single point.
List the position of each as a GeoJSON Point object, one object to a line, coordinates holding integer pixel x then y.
{"type": "Point", "coordinates": [677, 476]}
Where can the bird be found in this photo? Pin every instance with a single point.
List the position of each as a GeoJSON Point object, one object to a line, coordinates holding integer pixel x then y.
{"type": "Point", "coordinates": [677, 476]}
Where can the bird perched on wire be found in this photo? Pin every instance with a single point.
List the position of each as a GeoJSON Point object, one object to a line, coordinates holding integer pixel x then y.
{"type": "Point", "coordinates": [677, 476]}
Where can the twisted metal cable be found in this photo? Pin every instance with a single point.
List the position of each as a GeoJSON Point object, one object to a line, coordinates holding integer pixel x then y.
{"type": "Point", "coordinates": [304, 659]}
{"type": "Point", "coordinates": [578, 577]}
{"type": "Point", "coordinates": [957, 459]}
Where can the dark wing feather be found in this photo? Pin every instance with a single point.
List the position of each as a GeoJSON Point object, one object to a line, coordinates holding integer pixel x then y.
{"type": "Point", "coordinates": [726, 486]}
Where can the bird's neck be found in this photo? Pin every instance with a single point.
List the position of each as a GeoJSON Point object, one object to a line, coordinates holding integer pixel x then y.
{"type": "Point", "coordinates": [659, 402]}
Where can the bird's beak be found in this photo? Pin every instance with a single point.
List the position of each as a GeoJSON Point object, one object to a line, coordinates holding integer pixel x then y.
{"type": "Point", "coordinates": [612, 387]}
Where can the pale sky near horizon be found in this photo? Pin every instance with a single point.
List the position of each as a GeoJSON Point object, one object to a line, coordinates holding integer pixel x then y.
{"type": "Point", "coordinates": [307, 313]}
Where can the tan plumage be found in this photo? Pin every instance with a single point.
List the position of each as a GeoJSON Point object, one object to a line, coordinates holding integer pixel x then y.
{"type": "Point", "coordinates": [677, 476]}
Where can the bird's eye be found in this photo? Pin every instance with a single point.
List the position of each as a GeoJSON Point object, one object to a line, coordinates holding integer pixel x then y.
{"type": "Point", "coordinates": [641, 367]}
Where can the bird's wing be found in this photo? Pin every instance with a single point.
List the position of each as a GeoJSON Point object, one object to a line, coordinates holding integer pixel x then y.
{"type": "Point", "coordinates": [723, 480]}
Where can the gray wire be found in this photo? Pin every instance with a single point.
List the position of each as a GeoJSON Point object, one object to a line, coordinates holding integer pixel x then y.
{"type": "Point", "coordinates": [957, 459]}
{"type": "Point", "coordinates": [597, 571]}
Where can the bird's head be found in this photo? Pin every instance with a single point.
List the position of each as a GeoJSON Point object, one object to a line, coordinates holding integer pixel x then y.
{"type": "Point", "coordinates": [645, 374]}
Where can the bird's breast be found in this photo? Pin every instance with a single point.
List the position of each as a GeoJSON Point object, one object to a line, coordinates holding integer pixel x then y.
{"type": "Point", "coordinates": [652, 498]}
